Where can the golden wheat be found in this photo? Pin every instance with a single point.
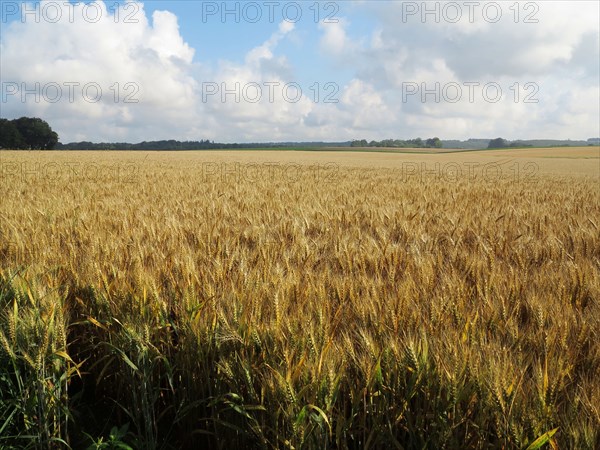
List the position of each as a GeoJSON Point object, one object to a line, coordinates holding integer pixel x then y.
{"type": "Point", "coordinates": [335, 302]}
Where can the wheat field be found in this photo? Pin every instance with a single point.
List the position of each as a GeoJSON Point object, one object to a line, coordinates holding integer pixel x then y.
{"type": "Point", "coordinates": [305, 300]}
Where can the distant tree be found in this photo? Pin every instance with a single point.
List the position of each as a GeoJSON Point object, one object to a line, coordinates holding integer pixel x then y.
{"type": "Point", "coordinates": [519, 144]}
{"type": "Point", "coordinates": [9, 135]}
{"type": "Point", "coordinates": [361, 143]}
{"type": "Point", "coordinates": [433, 143]}
{"type": "Point", "coordinates": [398, 143]}
{"type": "Point", "coordinates": [497, 143]}
{"type": "Point", "coordinates": [36, 133]}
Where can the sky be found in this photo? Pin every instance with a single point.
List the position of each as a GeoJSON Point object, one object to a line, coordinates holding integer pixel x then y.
{"type": "Point", "coordinates": [275, 71]}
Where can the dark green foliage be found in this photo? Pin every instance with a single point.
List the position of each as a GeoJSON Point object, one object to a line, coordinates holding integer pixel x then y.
{"type": "Point", "coordinates": [434, 142]}
{"type": "Point", "coordinates": [27, 133]}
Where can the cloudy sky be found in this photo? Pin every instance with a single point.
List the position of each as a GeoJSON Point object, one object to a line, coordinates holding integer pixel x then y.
{"type": "Point", "coordinates": [302, 71]}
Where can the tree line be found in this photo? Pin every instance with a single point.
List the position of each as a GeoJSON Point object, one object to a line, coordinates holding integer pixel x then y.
{"type": "Point", "coordinates": [503, 143]}
{"type": "Point", "coordinates": [170, 144]}
{"type": "Point", "coordinates": [397, 143]}
{"type": "Point", "coordinates": [27, 133]}
{"type": "Point", "coordinates": [33, 133]}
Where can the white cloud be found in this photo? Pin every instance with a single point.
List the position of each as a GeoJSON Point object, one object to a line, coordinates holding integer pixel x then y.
{"type": "Point", "coordinates": [561, 58]}
{"type": "Point", "coordinates": [265, 51]}
{"type": "Point", "coordinates": [144, 61]}
{"type": "Point", "coordinates": [261, 105]}
{"type": "Point", "coordinates": [335, 40]}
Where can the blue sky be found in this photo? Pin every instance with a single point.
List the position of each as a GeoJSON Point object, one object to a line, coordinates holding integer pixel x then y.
{"type": "Point", "coordinates": [216, 37]}
{"type": "Point", "coordinates": [132, 71]}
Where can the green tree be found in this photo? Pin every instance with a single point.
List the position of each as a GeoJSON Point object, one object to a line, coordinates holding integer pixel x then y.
{"type": "Point", "coordinates": [433, 143]}
{"type": "Point", "coordinates": [497, 143]}
{"type": "Point", "coordinates": [361, 143]}
{"type": "Point", "coordinates": [36, 133]}
{"type": "Point", "coordinates": [9, 135]}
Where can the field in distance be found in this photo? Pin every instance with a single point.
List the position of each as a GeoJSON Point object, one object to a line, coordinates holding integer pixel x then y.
{"type": "Point", "coordinates": [301, 299]}
{"type": "Point", "coordinates": [546, 152]}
